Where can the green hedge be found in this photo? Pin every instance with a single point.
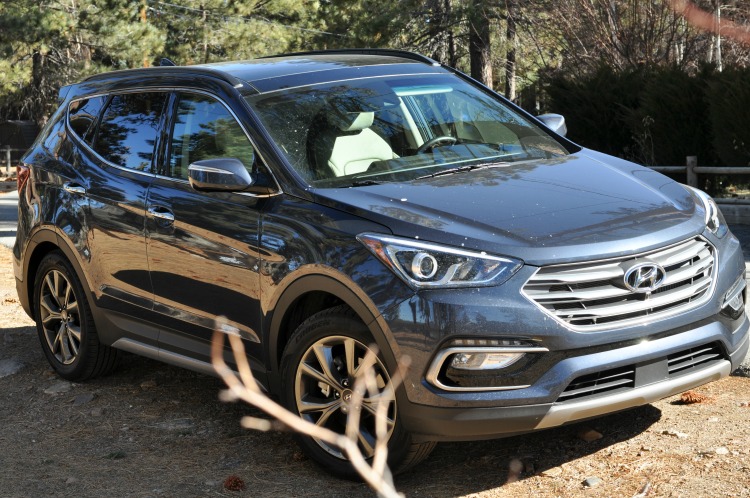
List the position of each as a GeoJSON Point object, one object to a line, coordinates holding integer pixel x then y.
{"type": "Point", "coordinates": [729, 115]}
{"type": "Point", "coordinates": [658, 116]}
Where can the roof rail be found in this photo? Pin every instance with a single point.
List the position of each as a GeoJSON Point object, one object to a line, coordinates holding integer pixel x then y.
{"type": "Point", "coordinates": [405, 54]}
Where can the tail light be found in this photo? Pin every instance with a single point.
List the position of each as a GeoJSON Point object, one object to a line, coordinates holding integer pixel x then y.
{"type": "Point", "coordinates": [22, 176]}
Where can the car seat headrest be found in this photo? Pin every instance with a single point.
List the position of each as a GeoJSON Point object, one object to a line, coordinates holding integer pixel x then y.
{"type": "Point", "coordinates": [351, 121]}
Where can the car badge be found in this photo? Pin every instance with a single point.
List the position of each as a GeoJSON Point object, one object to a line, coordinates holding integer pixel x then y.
{"type": "Point", "coordinates": [644, 277]}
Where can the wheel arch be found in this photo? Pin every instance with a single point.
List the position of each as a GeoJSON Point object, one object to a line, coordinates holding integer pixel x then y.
{"type": "Point", "coordinates": [43, 242]}
{"type": "Point", "coordinates": [311, 294]}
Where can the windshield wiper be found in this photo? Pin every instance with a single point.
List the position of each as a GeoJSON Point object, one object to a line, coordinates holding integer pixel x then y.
{"type": "Point", "coordinates": [364, 183]}
{"type": "Point", "coordinates": [462, 169]}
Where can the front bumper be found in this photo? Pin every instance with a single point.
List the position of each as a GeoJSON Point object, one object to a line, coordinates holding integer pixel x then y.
{"type": "Point", "coordinates": [543, 392]}
{"type": "Point", "coordinates": [653, 382]}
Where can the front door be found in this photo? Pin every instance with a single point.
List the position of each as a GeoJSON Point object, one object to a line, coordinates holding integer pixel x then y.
{"type": "Point", "coordinates": [202, 246]}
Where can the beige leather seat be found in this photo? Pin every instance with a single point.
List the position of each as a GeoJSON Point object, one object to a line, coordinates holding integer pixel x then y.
{"type": "Point", "coordinates": [342, 143]}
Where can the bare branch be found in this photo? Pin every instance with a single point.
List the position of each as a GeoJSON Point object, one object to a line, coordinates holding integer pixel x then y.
{"type": "Point", "coordinates": [242, 386]}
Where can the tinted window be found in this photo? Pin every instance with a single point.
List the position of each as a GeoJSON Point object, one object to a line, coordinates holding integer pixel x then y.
{"type": "Point", "coordinates": [205, 129]}
{"type": "Point", "coordinates": [83, 114]}
{"type": "Point", "coordinates": [128, 131]}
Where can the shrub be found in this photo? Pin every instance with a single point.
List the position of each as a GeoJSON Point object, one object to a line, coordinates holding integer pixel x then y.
{"type": "Point", "coordinates": [728, 96]}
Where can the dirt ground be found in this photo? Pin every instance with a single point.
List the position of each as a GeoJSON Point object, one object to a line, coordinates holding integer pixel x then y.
{"type": "Point", "coordinates": [154, 430]}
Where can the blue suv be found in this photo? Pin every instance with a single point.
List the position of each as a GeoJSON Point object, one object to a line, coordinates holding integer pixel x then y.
{"type": "Point", "coordinates": [327, 202]}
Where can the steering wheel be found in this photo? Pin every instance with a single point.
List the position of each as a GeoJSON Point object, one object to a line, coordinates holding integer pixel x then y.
{"type": "Point", "coordinates": [434, 142]}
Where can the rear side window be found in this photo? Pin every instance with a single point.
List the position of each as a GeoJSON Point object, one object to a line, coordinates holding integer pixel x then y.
{"type": "Point", "coordinates": [82, 116]}
{"type": "Point", "coordinates": [129, 128]}
{"type": "Point", "coordinates": [205, 129]}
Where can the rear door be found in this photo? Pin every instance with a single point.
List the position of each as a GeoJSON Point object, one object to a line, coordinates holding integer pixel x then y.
{"type": "Point", "coordinates": [119, 175]}
{"type": "Point", "coordinates": [203, 246]}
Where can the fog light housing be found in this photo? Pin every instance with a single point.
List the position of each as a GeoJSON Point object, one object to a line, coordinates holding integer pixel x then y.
{"type": "Point", "coordinates": [484, 360]}
{"type": "Point", "coordinates": [734, 300]}
{"type": "Point", "coordinates": [478, 364]}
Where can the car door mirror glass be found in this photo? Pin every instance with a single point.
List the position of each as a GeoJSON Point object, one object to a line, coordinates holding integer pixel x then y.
{"type": "Point", "coordinates": [221, 174]}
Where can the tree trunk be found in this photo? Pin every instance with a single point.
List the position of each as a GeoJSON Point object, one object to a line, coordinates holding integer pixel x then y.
{"type": "Point", "coordinates": [452, 59]}
{"type": "Point", "coordinates": [204, 19]}
{"type": "Point", "coordinates": [33, 109]}
{"type": "Point", "coordinates": [512, 42]}
{"type": "Point", "coordinates": [717, 56]}
{"type": "Point", "coordinates": [437, 25]}
{"type": "Point", "coordinates": [144, 20]}
{"type": "Point", "coordinates": [479, 45]}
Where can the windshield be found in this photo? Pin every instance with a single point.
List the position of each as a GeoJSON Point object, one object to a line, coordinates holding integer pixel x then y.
{"type": "Point", "coordinates": [400, 129]}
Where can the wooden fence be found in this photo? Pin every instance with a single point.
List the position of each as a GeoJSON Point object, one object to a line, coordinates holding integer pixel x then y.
{"type": "Point", "coordinates": [692, 170]}
{"type": "Point", "coordinates": [10, 157]}
{"type": "Point", "coordinates": [736, 210]}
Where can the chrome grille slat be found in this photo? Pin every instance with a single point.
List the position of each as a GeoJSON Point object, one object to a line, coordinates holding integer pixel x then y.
{"type": "Point", "coordinates": [688, 355]}
{"type": "Point", "coordinates": [599, 383]}
{"type": "Point", "coordinates": [685, 254]}
{"type": "Point", "coordinates": [687, 271]}
{"type": "Point", "coordinates": [592, 296]}
{"type": "Point", "coordinates": [633, 306]}
{"type": "Point", "coordinates": [599, 387]}
{"type": "Point", "coordinates": [578, 275]}
{"type": "Point", "coordinates": [692, 358]}
{"type": "Point", "coordinates": [693, 362]}
{"type": "Point", "coordinates": [568, 296]}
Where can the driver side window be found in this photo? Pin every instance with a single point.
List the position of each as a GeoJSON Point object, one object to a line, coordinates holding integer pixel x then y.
{"type": "Point", "coordinates": [205, 129]}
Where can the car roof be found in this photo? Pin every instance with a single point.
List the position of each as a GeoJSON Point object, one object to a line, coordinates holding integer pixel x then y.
{"type": "Point", "coordinates": [300, 69]}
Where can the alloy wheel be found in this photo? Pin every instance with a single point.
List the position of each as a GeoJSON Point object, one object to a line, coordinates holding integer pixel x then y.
{"type": "Point", "coordinates": [324, 384]}
{"type": "Point", "coordinates": [60, 317]}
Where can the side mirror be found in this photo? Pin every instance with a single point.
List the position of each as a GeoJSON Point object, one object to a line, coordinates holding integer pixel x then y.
{"type": "Point", "coordinates": [554, 122]}
{"type": "Point", "coordinates": [225, 174]}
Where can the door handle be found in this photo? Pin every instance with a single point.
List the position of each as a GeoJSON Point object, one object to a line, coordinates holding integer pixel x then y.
{"type": "Point", "coordinates": [161, 213]}
{"type": "Point", "coordinates": [74, 188]}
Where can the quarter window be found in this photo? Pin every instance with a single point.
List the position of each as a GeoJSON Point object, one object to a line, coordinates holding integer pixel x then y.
{"type": "Point", "coordinates": [205, 129]}
{"type": "Point", "coordinates": [82, 116]}
{"type": "Point", "coordinates": [128, 131]}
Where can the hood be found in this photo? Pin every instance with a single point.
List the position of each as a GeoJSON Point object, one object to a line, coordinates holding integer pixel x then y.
{"type": "Point", "coordinates": [580, 207]}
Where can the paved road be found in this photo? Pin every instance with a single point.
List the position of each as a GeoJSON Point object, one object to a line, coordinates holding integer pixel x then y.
{"type": "Point", "coordinates": [9, 220]}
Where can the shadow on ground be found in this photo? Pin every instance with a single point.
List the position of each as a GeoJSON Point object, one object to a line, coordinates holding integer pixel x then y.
{"type": "Point", "coordinates": [484, 465]}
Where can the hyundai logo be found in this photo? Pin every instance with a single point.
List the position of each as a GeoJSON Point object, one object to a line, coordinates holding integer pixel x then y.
{"type": "Point", "coordinates": [644, 277]}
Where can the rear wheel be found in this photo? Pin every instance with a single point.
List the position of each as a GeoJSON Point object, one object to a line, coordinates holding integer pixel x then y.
{"type": "Point", "coordinates": [320, 366]}
{"type": "Point", "coordinates": [65, 325]}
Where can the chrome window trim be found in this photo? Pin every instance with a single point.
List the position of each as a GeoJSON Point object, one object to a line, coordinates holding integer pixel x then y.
{"type": "Point", "coordinates": [633, 321]}
{"type": "Point", "coordinates": [81, 142]}
{"type": "Point", "coordinates": [437, 363]}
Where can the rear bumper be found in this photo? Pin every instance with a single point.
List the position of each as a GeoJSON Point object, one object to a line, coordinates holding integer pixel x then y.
{"type": "Point", "coordinates": [466, 423]}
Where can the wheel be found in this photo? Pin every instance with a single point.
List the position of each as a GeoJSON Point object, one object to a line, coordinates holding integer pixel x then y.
{"type": "Point", "coordinates": [319, 368]}
{"type": "Point", "coordinates": [65, 325]}
{"type": "Point", "coordinates": [434, 142]}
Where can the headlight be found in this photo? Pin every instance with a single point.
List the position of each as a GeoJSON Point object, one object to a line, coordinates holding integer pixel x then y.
{"type": "Point", "coordinates": [713, 217]}
{"type": "Point", "coordinates": [424, 265]}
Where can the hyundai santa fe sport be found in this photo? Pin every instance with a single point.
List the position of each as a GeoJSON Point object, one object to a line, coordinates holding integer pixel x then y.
{"type": "Point", "coordinates": [332, 203]}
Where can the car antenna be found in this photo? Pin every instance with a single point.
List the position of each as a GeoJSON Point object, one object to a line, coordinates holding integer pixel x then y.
{"type": "Point", "coordinates": [166, 62]}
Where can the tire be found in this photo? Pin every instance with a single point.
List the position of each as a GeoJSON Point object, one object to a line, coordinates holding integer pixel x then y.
{"type": "Point", "coordinates": [65, 325]}
{"type": "Point", "coordinates": [316, 392]}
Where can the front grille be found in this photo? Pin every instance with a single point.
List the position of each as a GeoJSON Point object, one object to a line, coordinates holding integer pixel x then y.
{"type": "Point", "coordinates": [607, 381]}
{"type": "Point", "coordinates": [694, 358]}
{"type": "Point", "coordinates": [592, 296]}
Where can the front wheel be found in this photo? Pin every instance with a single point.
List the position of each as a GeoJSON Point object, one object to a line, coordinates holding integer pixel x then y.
{"type": "Point", "coordinates": [320, 366]}
{"type": "Point", "coordinates": [65, 325]}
